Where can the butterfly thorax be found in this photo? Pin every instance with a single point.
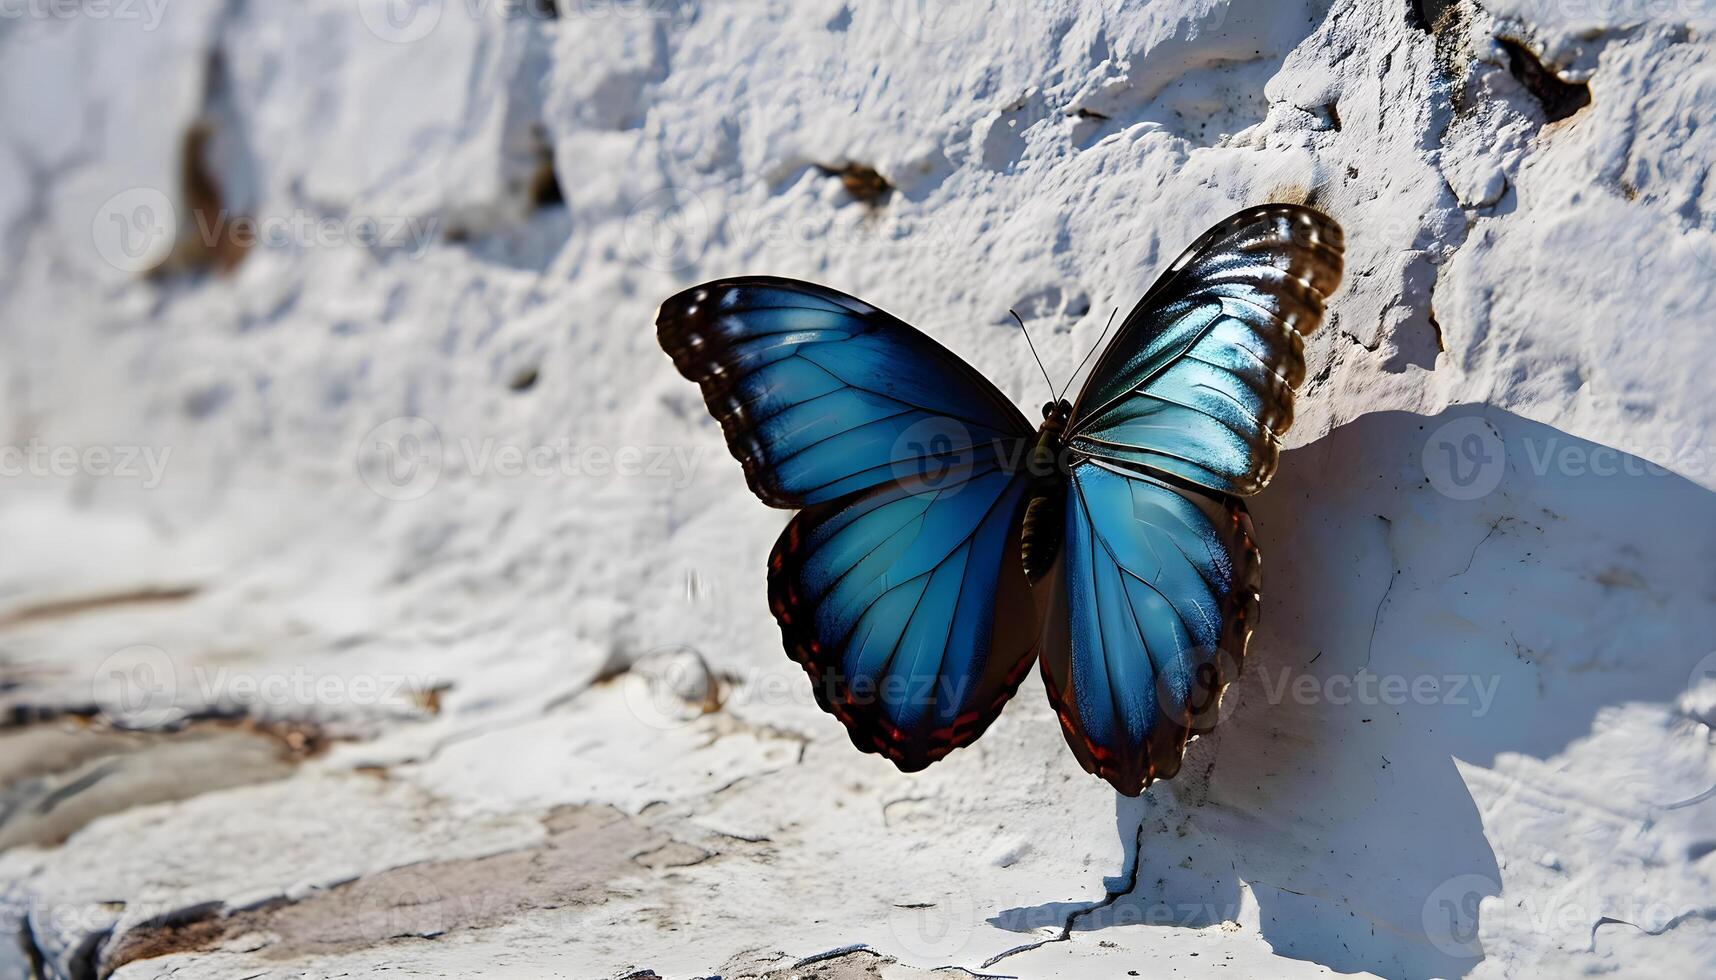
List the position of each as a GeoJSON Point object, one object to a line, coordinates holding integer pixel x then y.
{"type": "Point", "coordinates": [1040, 533]}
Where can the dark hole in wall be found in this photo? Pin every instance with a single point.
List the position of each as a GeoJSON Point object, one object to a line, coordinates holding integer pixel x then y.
{"type": "Point", "coordinates": [545, 189]}
{"type": "Point", "coordinates": [1560, 99]}
{"type": "Point", "coordinates": [862, 182]}
{"type": "Point", "coordinates": [214, 166]}
{"type": "Point", "coordinates": [211, 241]}
{"type": "Point", "coordinates": [1425, 15]}
{"type": "Point", "coordinates": [525, 379]}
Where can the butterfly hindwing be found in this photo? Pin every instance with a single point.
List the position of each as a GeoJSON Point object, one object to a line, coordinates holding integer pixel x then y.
{"type": "Point", "coordinates": [1155, 590]}
{"type": "Point", "coordinates": [821, 395]}
{"type": "Point", "coordinates": [1198, 383]}
{"type": "Point", "coordinates": [907, 606]}
{"type": "Point", "coordinates": [898, 587]}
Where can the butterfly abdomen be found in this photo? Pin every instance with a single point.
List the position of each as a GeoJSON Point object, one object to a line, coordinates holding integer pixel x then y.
{"type": "Point", "coordinates": [1042, 526]}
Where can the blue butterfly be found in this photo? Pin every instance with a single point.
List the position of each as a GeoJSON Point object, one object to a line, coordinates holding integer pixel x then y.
{"type": "Point", "coordinates": [943, 544]}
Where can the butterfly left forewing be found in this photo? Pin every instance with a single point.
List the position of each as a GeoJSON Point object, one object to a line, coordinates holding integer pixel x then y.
{"type": "Point", "coordinates": [820, 394]}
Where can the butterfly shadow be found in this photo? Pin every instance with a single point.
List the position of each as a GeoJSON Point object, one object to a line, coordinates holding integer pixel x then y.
{"type": "Point", "coordinates": [1436, 589]}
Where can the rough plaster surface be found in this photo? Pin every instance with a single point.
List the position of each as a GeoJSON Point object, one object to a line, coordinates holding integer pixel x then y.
{"type": "Point", "coordinates": [438, 607]}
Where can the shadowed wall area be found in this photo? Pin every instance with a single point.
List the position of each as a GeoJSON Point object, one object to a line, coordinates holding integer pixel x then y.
{"type": "Point", "coordinates": [1427, 671]}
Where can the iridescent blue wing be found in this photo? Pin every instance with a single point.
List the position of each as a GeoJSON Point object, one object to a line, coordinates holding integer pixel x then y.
{"type": "Point", "coordinates": [821, 395]}
{"type": "Point", "coordinates": [898, 587]}
{"type": "Point", "coordinates": [1150, 607]}
{"type": "Point", "coordinates": [1199, 382]}
{"type": "Point", "coordinates": [1155, 592]}
{"type": "Point", "coordinates": [908, 607]}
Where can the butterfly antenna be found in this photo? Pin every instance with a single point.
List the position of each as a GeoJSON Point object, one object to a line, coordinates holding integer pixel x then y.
{"type": "Point", "coordinates": [1094, 348]}
{"type": "Point", "coordinates": [1033, 347]}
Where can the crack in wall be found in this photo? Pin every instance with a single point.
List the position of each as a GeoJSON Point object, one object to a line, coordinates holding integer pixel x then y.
{"type": "Point", "coordinates": [1135, 862]}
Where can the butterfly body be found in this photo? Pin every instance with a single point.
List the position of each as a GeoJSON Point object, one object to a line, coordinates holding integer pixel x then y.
{"type": "Point", "coordinates": [1040, 531]}
{"type": "Point", "coordinates": [943, 545]}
